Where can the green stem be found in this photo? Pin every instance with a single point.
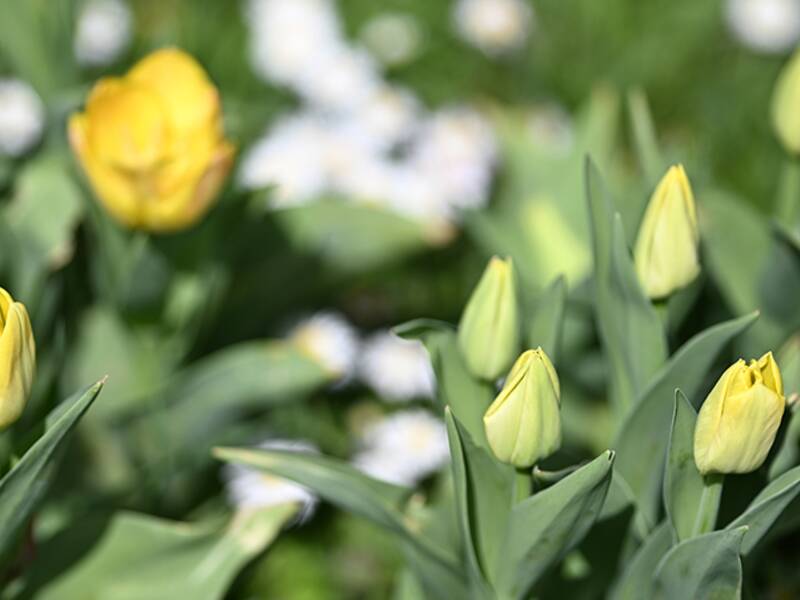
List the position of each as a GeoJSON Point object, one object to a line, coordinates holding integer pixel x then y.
{"type": "Point", "coordinates": [522, 485]}
{"type": "Point", "coordinates": [788, 200]}
{"type": "Point", "coordinates": [708, 506]}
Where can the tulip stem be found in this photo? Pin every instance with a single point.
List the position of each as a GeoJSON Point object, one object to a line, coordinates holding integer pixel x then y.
{"type": "Point", "coordinates": [523, 484]}
{"type": "Point", "coordinates": [708, 507]}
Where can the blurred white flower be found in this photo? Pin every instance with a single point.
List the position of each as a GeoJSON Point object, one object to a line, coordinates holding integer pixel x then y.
{"type": "Point", "coordinates": [397, 370]}
{"type": "Point", "coordinates": [494, 26]}
{"type": "Point", "coordinates": [21, 117]}
{"type": "Point", "coordinates": [391, 115]}
{"type": "Point", "coordinates": [102, 32]}
{"type": "Point", "coordinates": [404, 447]}
{"type": "Point", "coordinates": [339, 79]}
{"type": "Point", "coordinates": [770, 26]}
{"type": "Point", "coordinates": [393, 38]}
{"type": "Point", "coordinates": [288, 37]}
{"type": "Point", "coordinates": [248, 488]}
{"type": "Point", "coordinates": [330, 340]}
{"type": "Point", "coordinates": [291, 157]}
{"type": "Point", "coordinates": [456, 149]}
{"type": "Point", "coordinates": [551, 129]}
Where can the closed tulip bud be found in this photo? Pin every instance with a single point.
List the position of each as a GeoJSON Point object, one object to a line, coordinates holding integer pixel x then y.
{"type": "Point", "coordinates": [666, 252]}
{"type": "Point", "coordinates": [740, 417]}
{"type": "Point", "coordinates": [785, 100]}
{"type": "Point", "coordinates": [151, 143]}
{"type": "Point", "coordinates": [523, 424]}
{"type": "Point", "coordinates": [17, 359]}
{"type": "Point", "coordinates": [488, 334]}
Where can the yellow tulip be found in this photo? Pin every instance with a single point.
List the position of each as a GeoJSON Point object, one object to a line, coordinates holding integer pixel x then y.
{"type": "Point", "coordinates": [666, 252]}
{"type": "Point", "coordinates": [488, 333]}
{"type": "Point", "coordinates": [523, 424]}
{"type": "Point", "coordinates": [785, 116]}
{"type": "Point", "coordinates": [738, 421]}
{"type": "Point", "coordinates": [17, 358]}
{"type": "Point", "coordinates": [151, 143]}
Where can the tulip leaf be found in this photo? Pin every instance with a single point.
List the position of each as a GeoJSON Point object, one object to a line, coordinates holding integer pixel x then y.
{"type": "Point", "coordinates": [691, 500]}
{"type": "Point", "coordinates": [766, 507]}
{"type": "Point", "coordinates": [138, 556]}
{"type": "Point", "coordinates": [343, 485]}
{"type": "Point", "coordinates": [466, 396]}
{"type": "Point", "coordinates": [189, 413]}
{"type": "Point", "coordinates": [632, 333]}
{"type": "Point", "coordinates": [483, 500]}
{"type": "Point", "coordinates": [543, 326]}
{"type": "Point", "coordinates": [644, 137]}
{"type": "Point", "coordinates": [637, 578]}
{"type": "Point", "coordinates": [23, 487]}
{"type": "Point", "coordinates": [707, 566]}
{"type": "Point", "coordinates": [545, 526]}
{"type": "Point", "coordinates": [352, 237]}
{"type": "Point", "coordinates": [788, 454]}
{"type": "Point", "coordinates": [643, 435]}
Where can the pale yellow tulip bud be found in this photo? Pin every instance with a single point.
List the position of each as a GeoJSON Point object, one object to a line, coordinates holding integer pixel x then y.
{"type": "Point", "coordinates": [785, 100]}
{"type": "Point", "coordinates": [523, 424]}
{"type": "Point", "coordinates": [151, 143]}
{"type": "Point", "coordinates": [488, 333]}
{"type": "Point", "coordinates": [666, 252]}
{"type": "Point", "coordinates": [738, 421]}
{"type": "Point", "coordinates": [17, 359]}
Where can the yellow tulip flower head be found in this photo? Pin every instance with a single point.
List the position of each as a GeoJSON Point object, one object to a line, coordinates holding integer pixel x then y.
{"type": "Point", "coordinates": [666, 252]}
{"type": "Point", "coordinates": [488, 333]}
{"type": "Point", "coordinates": [785, 100]}
{"type": "Point", "coordinates": [151, 143]}
{"type": "Point", "coordinates": [738, 421]}
{"type": "Point", "coordinates": [523, 424]}
{"type": "Point", "coordinates": [17, 359]}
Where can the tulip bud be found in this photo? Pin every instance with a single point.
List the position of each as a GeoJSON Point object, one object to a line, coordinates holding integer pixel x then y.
{"type": "Point", "coordinates": [151, 143]}
{"type": "Point", "coordinates": [17, 359]}
{"type": "Point", "coordinates": [488, 334]}
{"type": "Point", "coordinates": [785, 99]}
{"type": "Point", "coordinates": [523, 424]}
{"type": "Point", "coordinates": [666, 253]}
{"type": "Point", "coordinates": [740, 417]}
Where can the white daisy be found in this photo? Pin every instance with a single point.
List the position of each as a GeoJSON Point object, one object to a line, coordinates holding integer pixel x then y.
{"type": "Point", "coordinates": [404, 447]}
{"type": "Point", "coordinates": [287, 38]}
{"type": "Point", "coordinates": [494, 26]}
{"type": "Point", "coordinates": [21, 117]}
{"type": "Point", "coordinates": [248, 488]}
{"type": "Point", "coordinates": [397, 370]}
{"type": "Point", "coordinates": [341, 79]}
{"type": "Point", "coordinates": [330, 340]}
{"type": "Point", "coordinates": [103, 32]}
{"type": "Point", "coordinates": [770, 26]}
{"type": "Point", "coordinates": [393, 38]}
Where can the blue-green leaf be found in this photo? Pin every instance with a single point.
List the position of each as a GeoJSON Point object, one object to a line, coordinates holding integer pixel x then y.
{"type": "Point", "coordinates": [637, 579]}
{"type": "Point", "coordinates": [545, 318]}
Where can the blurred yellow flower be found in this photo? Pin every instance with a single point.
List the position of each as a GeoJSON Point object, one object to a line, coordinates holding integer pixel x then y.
{"type": "Point", "coordinates": [740, 417]}
{"type": "Point", "coordinates": [17, 358]}
{"type": "Point", "coordinates": [666, 252]}
{"type": "Point", "coordinates": [523, 424]}
{"type": "Point", "coordinates": [151, 142]}
{"type": "Point", "coordinates": [785, 116]}
{"type": "Point", "coordinates": [488, 333]}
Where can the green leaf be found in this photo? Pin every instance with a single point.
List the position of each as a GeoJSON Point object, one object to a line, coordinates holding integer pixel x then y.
{"type": "Point", "coordinates": [351, 237]}
{"type": "Point", "coordinates": [545, 318]}
{"type": "Point", "coordinates": [341, 484]}
{"type": "Point", "coordinates": [139, 556]}
{"type": "Point", "coordinates": [766, 507]}
{"type": "Point", "coordinates": [483, 489]}
{"type": "Point", "coordinates": [643, 435]}
{"type": "Point", "coordinates": [23, 487]}
{"type": "Point", "coordinates": [788, 454]}
{"type": "Point", "coordinates": [644, 137]}
{"type": "Point", "coordinates": [545, 526]}
{"type": "Point", "coordinates": [466, 396]}
{"type": "Point", "coordinates": [708, 566]}
{"type": "Point", "coordinates": [691, 500]}
{"type": "Point", "coordinates": [637, 578]}
{"type": "Point", "coordinates": [631, 330]}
